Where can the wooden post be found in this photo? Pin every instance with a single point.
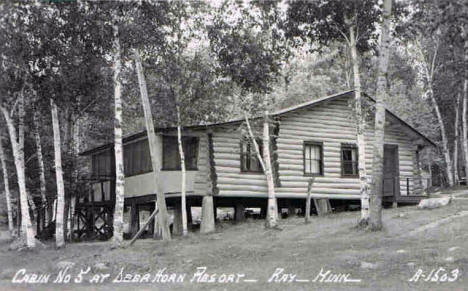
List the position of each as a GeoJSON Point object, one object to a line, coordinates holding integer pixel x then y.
{"type": "Point", "coordinates": [291, 211]}
{"type": "Point", "coordinates": [177, 224]}
{"type": "Point", "coordinates": [307, 208]}
{"type": "Point", "coordinates": [239, 212]}
{"type": "Point", "coordinates": [189, 213]}
{"type": "Point", "coordinates": [134, 217]}
{"type": "Point", "coordinates": [263, 212]}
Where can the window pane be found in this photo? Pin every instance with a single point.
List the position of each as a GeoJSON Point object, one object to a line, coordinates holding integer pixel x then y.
{"type": "Point", "coordinates": [315, 167]}
{"type": "Point", "coordinates": [313, 159]}
{"type": "Point", "coordinates": [307, 166]}
{"type": "Point", "coordinates": [347, 155]}
{"type": "Point", "coordinates": [348, 168]}
{"type": "Point", "coordinates": [171, 159]}
{"type": "Point", "coordinates": [350, 160]}
{"type": "Point", "coordinates": [171, 155]}
{"type": "Point", "coordinates": [249, 158]}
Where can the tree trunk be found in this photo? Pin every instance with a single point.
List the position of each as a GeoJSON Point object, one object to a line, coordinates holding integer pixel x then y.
{"type": "Point", "coordinates": [272, 210]}
{"type": "Point", "coordinates": [464, 127]}
{"type": "Point", "coordinates": [375, 215]}
{"type": "Point", "coordinates": [360, 129]}
{"type": "Point", "coordinates": [208, 219]}
{"type": "Point", "coordinates": [445, 148]}
{"type": "Point", "coordinates": [60, 219]}
{"type": "Point", "coordinates": [21, 115]}
{"type": "Point", "coordinates": [26, 225]}
{"type": "Point", "coordinates": [6, 183]}
{"type": "Point", "coordinates": [456, 141]}
{"type": "Point", "coordinates": [118, 146]}
{"type": "Point", "coordinates": [162, 218]}
{"type": "Point", "coordinates": [75, 172]}
{"type": "Point", "coordinates": [272, 206]}
{"type": "Point", "coordinates": [183, 198]}
{"type": "Point", "coordinates": [40, 160]}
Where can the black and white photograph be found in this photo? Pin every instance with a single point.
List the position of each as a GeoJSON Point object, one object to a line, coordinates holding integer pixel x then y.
{"type": "Point", "coordinates": [233, 145]}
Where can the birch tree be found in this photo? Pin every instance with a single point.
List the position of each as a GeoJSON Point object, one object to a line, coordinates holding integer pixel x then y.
{"type": "Point", "coordinates": [429, 64]}
{"type": "Point", "coordinates": [118, 144]}
{"type": "Point", "coordinates": [6, 184]}
{"type": "Point", "coordinates": [375, 218]}
{"type": "Point", "coordinates": [154, 149]}
{"type": "Point", "coordinates": [265, 163]}
{"type": "Point", "coordinates": [352, 22]}
{"type": "Point", "coordinates": [456, 141]}
{"type": "Point", "coordinates": [250, 52]}
{"type": "Point", "coordinates": [40, 160]}
{"type": "Point", "coordinates": [60, 215]}
{"type": "Point", "coordinates": [26, 226]}
{"type": "Point", "coordinates": [464, 34]}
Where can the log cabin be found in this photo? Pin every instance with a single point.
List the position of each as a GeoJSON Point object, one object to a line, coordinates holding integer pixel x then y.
{"type": "Point", "coordinates": [313, 139]}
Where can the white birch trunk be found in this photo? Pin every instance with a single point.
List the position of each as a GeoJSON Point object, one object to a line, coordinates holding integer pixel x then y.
{"type": "Point", "coordinates": [375, 215]}
{"type": "Point", "coordinates": [162, 218]}
{"type": "Point", "coordinates": [60, 219]}
{"type": "Point", "coordinates": [118, 145]}
{"type": "Point", "coordinates": [40, 160]}
{"type": "Point", "coordinates": [465, 105]}
{"type": "Point", "coordinates": [265, 162]}
{"type": "Point", "coordinates": [26, 225]}
{"type": "Point", "coordinates": [360, 129]}
{"type": "Point", "coordinates": [443, 132]}
{"type": "Point", "coordinates": [6, 183]}
{"type": "Point", "coordinates": [456, 141]}
{"type": "Point", "coordinates": [183, 198]}
{"type": "Point", "coordinates": [21, 115]}
{"type": "Point", "coordinates": [464, 127]}
{"type": "Point", "coordinates": [272, 210]}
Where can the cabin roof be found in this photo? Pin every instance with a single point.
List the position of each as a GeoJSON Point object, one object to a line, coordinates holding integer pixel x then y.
{"type": "Point", "coordinates": [277, 113]}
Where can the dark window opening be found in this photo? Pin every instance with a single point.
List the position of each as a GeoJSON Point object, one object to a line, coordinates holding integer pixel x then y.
{"type": "Point", "coordinates": [137, 158]}
{"type": "Point", "coordinates": [249, 160]}
{"type": "Point", "coordinates": [313, 158]}
{"type": "Point", "coordinates": [349, 160]}
{"type": "Point", "coordinates": [171, 156]}
{"type": "Point", "coordinates": [102, 164]}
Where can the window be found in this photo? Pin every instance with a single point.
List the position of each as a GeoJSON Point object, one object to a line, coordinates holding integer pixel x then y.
{"type": "Point", "coordinates": [249, 160]}
{"type": "Point", "coordinates": [313, 158]}
{"type": "Point", "coordinates": [349, 160]}
{"type": "Point", "coordinates": [102, 164]}
{"type": "Point", "coordinates": [137, 158]}
{"type": "Point", "coordinates": [171, 156]}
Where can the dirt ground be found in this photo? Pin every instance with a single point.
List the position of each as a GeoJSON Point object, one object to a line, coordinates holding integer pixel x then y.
{"type": "Point", "coordinates": [414, 243]}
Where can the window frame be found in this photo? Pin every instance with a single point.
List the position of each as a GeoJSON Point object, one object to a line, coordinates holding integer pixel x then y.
{"type": "Point", "coordinates": [248, 141]}
{"type": "Point", "coordinates": [164, 154]}
{"type": "Point", "coordinates": [322, 162]}
{"type": "Point", "coordinates": [349, 146]}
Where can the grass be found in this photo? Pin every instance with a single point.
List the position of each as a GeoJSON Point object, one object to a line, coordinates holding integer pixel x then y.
{"type": "Point", "coordinates": [382, 260]}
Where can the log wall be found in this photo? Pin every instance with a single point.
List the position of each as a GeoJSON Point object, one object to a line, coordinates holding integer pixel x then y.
{"type": "Point", "coordinates": [202, 176]}
{"type": "Point", "coordinates": [330, 123]}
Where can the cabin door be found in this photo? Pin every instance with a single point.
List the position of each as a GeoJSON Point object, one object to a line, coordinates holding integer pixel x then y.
{"type": "Point", "coordinates": [391, 171]}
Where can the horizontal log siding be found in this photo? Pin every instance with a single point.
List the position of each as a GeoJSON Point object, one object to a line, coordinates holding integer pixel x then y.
{"type": "Point", "coordinates": [329, 123]}
{"type": "Point", "coordinates": [202, 177]}
{"type": "Point", "coordinates": [231, 181]}
{"type": "Point", "coordinates": [333, 125]}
